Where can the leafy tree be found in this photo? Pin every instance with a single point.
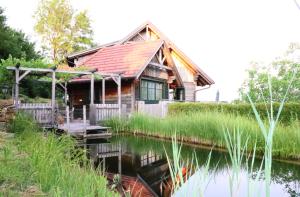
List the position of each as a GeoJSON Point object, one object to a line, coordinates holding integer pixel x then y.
{"type": "Point", "coordinates": [62, 29]}
{"type": "Point", "coordinates": [279, 72]}
{"type": "Point", "coordinates": [14, 42]}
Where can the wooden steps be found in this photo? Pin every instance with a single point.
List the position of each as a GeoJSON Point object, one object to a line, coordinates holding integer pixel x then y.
{"type": "Point", "coordinates": [80, 131]}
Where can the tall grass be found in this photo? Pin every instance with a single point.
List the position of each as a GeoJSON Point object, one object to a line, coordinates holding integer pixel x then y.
{"type": "Point", "coordinates": [49, 163]}
{"type": "Point", "coordinates": [208, 128]}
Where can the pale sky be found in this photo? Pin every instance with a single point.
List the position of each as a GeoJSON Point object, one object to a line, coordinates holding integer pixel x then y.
{"type": "Point", "coordinates": [222, 37]}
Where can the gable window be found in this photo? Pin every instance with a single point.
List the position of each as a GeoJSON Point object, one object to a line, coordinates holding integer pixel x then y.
{"type": "Point", "coordinates": [151, 90]}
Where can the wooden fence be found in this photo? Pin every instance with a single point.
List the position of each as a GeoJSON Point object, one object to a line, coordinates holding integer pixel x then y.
{"type": "Point", "coordinates": [159, 109]}
{"type": "Point", "coordinates": [107, 111]}
{"type": "Point", "coordinates": [40, 112]}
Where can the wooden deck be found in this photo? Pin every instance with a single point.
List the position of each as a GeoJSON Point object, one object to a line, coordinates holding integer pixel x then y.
{"type": "Point", "coordinates": [81, 130]}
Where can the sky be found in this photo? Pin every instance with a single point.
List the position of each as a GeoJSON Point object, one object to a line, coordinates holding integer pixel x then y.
{"type": "Point", "coordinates": [221, 37]}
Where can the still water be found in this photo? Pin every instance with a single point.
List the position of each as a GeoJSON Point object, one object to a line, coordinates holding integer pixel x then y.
{"type": "Point", "coordinates": [145, 159]}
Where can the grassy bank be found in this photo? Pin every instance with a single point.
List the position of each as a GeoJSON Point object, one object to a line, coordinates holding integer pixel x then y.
{"type": "Point", "coordinates": [208, 128]}
{"type": "Point", "coordinates": [35, 164]}
{"type": "Point", "coordinates": [290, 112]}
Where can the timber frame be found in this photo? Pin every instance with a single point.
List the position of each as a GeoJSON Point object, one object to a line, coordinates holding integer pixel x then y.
{"type": "Point", "coordinates": [26, 70]}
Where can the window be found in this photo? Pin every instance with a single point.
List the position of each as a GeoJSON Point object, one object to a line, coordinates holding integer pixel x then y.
{"type": "Point", "coordinates": [151, 90]}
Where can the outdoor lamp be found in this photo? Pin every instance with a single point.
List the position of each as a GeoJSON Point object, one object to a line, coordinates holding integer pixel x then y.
{"type": "Point", "coordinates": [4, 89]}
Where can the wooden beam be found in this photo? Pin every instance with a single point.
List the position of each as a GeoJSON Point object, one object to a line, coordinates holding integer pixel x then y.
{"type": "Point", "coordinates": [119, 96]}
{"type": "Point", "coordinates": [17, 74]}
{"type": "Point", "coordinates": [141, 36]}
{"type": "Point", "coordinates": [53, 98]}
{"type": "Point", "coordinates": [84, 120]}
{"type": "Point", "coordinates": [92, 88]}
{"type": "Point", "coordinates": [61, 71]}
{"type": "Point", "coordinates": [68, 118]}
{"type": "Point", "coordinates": [160, 66]}
{"type": "Point", "coordinates": [24, 74]}
{"type": "Point", "coordinates": [103, 91]}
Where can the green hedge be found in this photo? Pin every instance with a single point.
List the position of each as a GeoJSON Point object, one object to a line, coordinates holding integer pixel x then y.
{"type": "Point", "coordinates": [291, 111]}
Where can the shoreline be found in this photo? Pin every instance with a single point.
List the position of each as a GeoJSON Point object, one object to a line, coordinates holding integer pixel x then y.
{"type": "Point", "coordinates": [199, 144]}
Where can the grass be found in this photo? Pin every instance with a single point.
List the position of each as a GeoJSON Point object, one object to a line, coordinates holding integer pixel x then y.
{"type": "Point", "coordinates": [208, 128]}
{"type": "Point", "coordinates": [46, 165]}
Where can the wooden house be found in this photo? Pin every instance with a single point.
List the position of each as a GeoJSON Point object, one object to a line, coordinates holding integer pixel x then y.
{"type": "Point", "coordinates": [151, 66]}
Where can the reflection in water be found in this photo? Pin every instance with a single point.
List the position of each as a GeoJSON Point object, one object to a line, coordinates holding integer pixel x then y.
{"type": "Point", "coordinates": [144, 159]}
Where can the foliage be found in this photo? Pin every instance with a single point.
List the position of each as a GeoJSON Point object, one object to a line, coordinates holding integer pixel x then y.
{"type": "Point", "coordinates": [28, 85]}
{"type": "Point", "coordinates": [14, 42]}
{"type": "Point", "coordinates": [62, 30]}
{"type": "Point", "coordinates": [208, 128]}
{"type": "Point", "coordinates": [290, 112]}
{"type": "Point", "coordinates": [47, 162]}
{"type": "Point", "coordinates": [282, 69]}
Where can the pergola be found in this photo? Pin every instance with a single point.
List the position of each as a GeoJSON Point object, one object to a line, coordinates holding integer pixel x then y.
{"type": "Point", "coordinates": [21, 72]}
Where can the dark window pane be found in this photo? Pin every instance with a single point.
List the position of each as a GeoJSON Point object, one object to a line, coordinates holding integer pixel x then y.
{"type": "Point", "coordinates": [151, 94]}
{"type": "Point", "coordinates": [144, 93]}
{"type": "Point", "coordinates": [151, 84]}
{"type": "Point", "coordinates": [159, 86]}
{"type": "Point", "coordinates": [158, 94]}
{"type": "Point", "coordinates": [144, 84]}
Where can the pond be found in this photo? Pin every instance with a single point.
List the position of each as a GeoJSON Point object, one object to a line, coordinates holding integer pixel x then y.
{"type": "Point", "coordinates": [145, 160]}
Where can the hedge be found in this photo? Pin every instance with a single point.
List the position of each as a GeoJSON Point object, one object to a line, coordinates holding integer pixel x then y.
{"type": "Point", "coordinates": [290, 112]}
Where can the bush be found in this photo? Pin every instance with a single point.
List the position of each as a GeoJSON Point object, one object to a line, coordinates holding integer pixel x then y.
{"type": "Point", "coordinates": [22, 123]}
{"type": "Point", "coordinates": [290, 112]}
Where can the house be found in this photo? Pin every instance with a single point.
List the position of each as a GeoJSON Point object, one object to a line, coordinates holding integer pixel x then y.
{"type": "Point", "coordinates": [151, 66]}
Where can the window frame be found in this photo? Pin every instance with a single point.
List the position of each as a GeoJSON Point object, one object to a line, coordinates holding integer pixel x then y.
{"type": "Point", "coordinates": [161, 87]}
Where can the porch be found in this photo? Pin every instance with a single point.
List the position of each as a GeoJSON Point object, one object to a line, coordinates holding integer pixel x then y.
{"type": "Point", "coordinates": [51, 115]}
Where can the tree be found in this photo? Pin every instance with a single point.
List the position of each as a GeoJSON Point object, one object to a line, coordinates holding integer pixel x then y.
{"type": "Point", "coordinates": [279, 72]}
{"type": "Point", "coordinates": [14, 43]}
{"type": "Point", "coordinates": [62, 30]}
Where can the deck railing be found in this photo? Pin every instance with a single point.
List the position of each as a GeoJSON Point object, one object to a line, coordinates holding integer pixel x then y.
{"type": "Point", "coordinates": [40, 112]}
{"type": "Point", "coordinates": [107, 111]}
{"type": "Point", "coordinates": [159, 109]}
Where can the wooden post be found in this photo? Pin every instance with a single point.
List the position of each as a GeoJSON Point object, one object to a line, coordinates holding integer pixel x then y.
{"type": "Point", "coordinates": [103, 90]}
{"type": "Point", "coordinates": [66, 93]}
{"type": "Point", "coordinates": [120, 159]}
{"type": "Point", "coordinates": [92, 88]}
{"type": "Point", "coordinates": [84, 121]}
{"type": "Point", "coordinates": [119, 95]}
{"type": "Point", "coordinates": [53, 98]}
{"type": "Point", "coordinates": [68, 118]}
{"type": "Point", "coordinates": [17, 72]}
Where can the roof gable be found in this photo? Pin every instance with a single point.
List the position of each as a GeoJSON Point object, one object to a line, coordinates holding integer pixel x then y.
{"type": "Point", "coordinates": [128, 59]}
{"type": "Point", "coordinates": [145, 33]}
{"type": "Point", "coordinates": [155, 32]}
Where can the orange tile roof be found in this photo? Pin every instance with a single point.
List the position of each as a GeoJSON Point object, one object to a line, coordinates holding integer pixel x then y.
{"type": "Point", "coordinates": [128, 59]}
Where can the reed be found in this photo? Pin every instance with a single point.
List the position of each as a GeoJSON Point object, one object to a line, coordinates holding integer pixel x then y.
{"type": "Point", "coordinates": [208, 128]}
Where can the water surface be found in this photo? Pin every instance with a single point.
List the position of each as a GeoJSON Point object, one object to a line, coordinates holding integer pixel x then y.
{"type": "Point", "coordinates": [146, 159]}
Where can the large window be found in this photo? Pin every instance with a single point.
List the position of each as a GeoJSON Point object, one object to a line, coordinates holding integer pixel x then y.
{"type": "Point", "coordinates": [151, 90]}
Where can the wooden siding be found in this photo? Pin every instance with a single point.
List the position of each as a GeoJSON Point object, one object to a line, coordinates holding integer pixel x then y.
{"type": "Point", "coordinates": [186, 74]}
{"type": "Point", "coordinates": [81, 91]}
{"type": "Point", "coordinates": [155, 72]}
{"type": "Point", "coordinates": [189, 91]}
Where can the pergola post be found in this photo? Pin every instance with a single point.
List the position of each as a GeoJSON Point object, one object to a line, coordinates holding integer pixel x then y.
{"type": "Point", "coordinates": [53, 98]}
{"type": "Point", "coordinates": [66, 93]}
{"type": "Point", "coordinates": [17, 73]}
{"type": "Point", "coordinates": [103, 90]}
{"type": "Point", "coordinates": [119, 96]}
{"type": "Point", "coordinates": [92, 89]}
